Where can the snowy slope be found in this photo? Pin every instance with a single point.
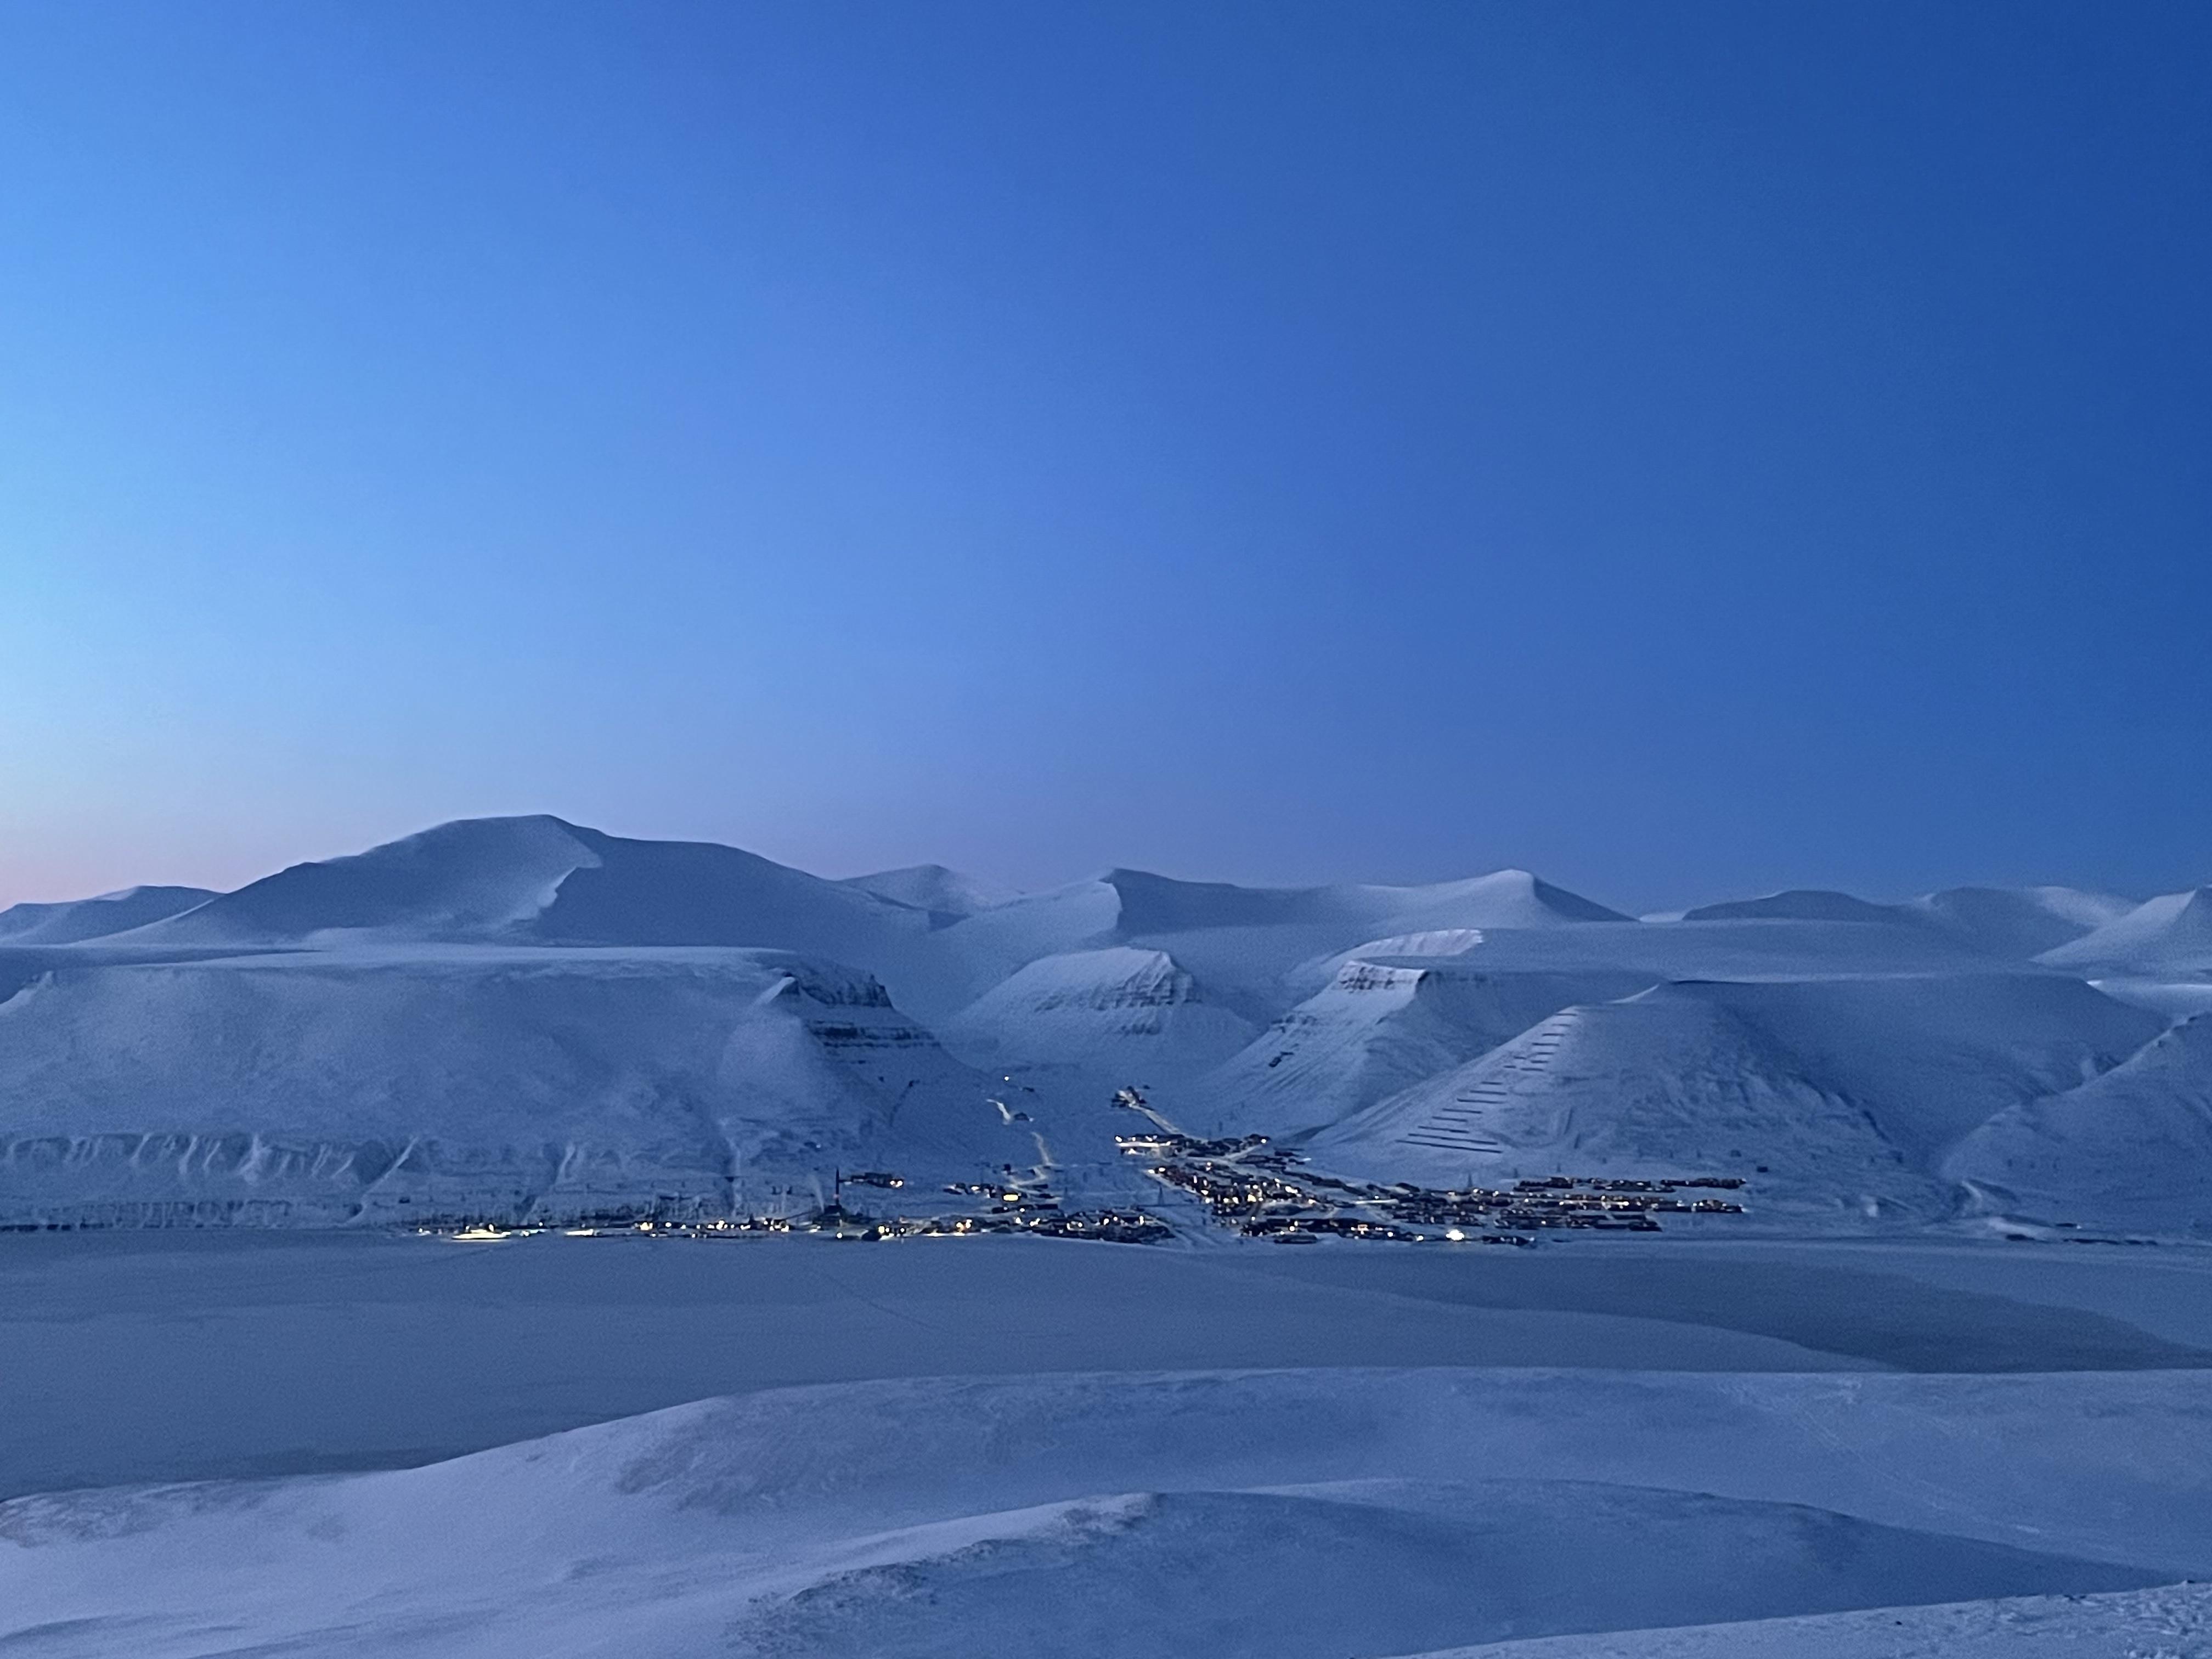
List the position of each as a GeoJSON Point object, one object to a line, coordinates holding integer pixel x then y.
{"type": "Point", "coordinates": [540, 880]}
{"type": "Point", "coordinates": [1383, 1024]}
{"type": "Point", "coordinates": [1120, 1014]}
{"type": "Point", "coordinates": [946, 894]}
{"type": "Point", "coordinates": [1401, 1010]}
{"type": "Point", "coordinates": [1931, 1057]}
{"type": "Point", "coordinates": [2014, 923]}
{"type": "Point", "coordinates": [79, 919]}
{"type": "Point", "coordinates": [2130, 1149]}
{"type": "Point", "coordinates": [1755, 949]}
{"type": "Point", "coordinates": [1801, 904]}
{"type": "Point", "coordinates": [981, 950]}
{"type": "Point", "coordinates": [325, 1087]}
{"type": "Point", "coordinates": [1293, 1515]}
{"type": "Point", "coordinates": [2173, 1621]}
{"type": "Point", "coordinates": [2018, 922]}
{"type": "Point", "coordinates": [1849, 1092]}
{"type": "Point", "coordinates": [1242, 940]}
{"type": "Point", "coordinates": [1428, 944]}
{"type": "Point", "coordinates": [1667, 1083]}
{"type": "Point", "coordinates": [2171, 934]}
{"type": "Point", "coordinates": [1608, 960]}
{"type": "Point", "coordinates": [470, 879]}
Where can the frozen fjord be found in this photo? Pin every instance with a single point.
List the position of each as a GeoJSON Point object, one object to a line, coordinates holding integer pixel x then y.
{"type": "Point", "coordinates": [137, 1357]}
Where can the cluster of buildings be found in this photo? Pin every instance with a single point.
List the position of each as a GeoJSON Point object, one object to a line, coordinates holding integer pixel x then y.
{"type": "Point", "coordinates": [1240, 1181]}
{"type": "Point", "coordinates": [1266, 1192]}
{"type": "Point", "coordinates": [1009, 1205]}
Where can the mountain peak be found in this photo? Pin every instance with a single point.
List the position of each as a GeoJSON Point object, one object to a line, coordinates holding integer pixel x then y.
{"type": "Point", "coordinates": [74, 922]}
{"type": "Point", "coordinates": [933, 888]}
{"type": "Point", "coordinates": [1801, 904]}
{"type": "Point", "coordinates": [541, 879]}
{"type": "Point", "coordinates": [2171, 934]}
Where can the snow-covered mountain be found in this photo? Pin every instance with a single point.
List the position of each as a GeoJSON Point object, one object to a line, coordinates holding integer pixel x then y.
{"type": "Point", "coordinates": [1242, 941]}
{"type": "Point", "coordinates": [525, 1012]}
{"type": "Point", "coordinates": [1398, 1010]}
{"type": "Point", "coordinates": [78, 920]}
{"type": "Point", "coordinates": [1843, 1096]}
{"type": "Point", "coordinates": [540, 880]}
{"type": "Point", "coordinates": [2012, 922]}
{"type": "Point", "coordinates": [1119, 1014]}
{"type": "Point", "coordinates": [1798, 904]}
{"type": "Point", "coordinates": [2131, 1148]}
{"type": "Point", "coordinates": [2171, 934]}
{"type": "Point", "coordinates": [1753, 949]}
{"type": "Point", "coordinates": [946, 894]}
{"type": "Point", "coordinates": [1382, 1024]}
{"type": "Point", "coordinates": [2019, 922]}
{"type": "Point", "coordinates": [323, 1087]}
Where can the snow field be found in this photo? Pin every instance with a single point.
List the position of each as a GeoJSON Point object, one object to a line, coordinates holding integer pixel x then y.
{"type": "Point", "coordinates": [1294, 1513]}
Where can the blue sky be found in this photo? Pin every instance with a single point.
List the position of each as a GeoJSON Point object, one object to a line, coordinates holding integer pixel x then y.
{"type": "Point", "coordinates": [1686, 449]}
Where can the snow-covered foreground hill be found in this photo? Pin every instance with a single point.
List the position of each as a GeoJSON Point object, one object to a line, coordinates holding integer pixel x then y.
{"type": "Point", "coordinates": [1696, 1450]}
{"type": "Point", "coordinates": [1282, 1513]}
{"type": "Point", "coordinates": [146, 1356]}
{"type": "Point", "coordinates": [2174, 1622]}
{"type": "Point", "coordinates": [527, 1017]}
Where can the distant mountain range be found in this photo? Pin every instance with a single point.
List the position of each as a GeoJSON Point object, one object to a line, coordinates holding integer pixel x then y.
{"type": "Point", "coordinates": [526, 1015]}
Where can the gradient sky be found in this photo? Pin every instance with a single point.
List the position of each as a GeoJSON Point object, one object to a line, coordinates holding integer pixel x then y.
{"type": "Point", "coordinates": [1683, 448]}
